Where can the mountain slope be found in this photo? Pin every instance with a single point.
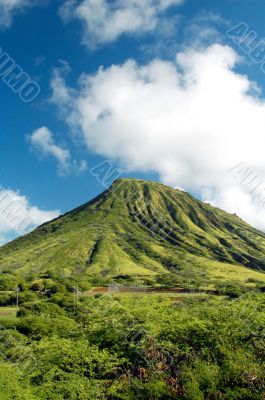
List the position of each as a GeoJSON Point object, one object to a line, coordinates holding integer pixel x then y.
{"type": "Point", "coordinates": [142, 229]}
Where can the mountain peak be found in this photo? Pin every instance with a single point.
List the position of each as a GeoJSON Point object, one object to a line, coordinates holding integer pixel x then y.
{"type": "Point", "coordinates": [140, 229]}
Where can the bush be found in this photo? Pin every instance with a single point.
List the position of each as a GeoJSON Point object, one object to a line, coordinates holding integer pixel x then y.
{"type": "Point", "coordinates": [37, 286]}
{"type": "Point", "coordinates": [51, 287]}
{"type": "Point", "coordinates": [8, 299]}
{"type": "Point", "coordinates": [42, 309]}
{"type": "Point", "coordinates": [12, 386]}
{"type": "Point", "coordinates": [7, 282]}
{"type": "Point", "coordinates": [230, 290]}
{"type": "Point", "coordinates": [37, 327]}
{"type": "Point", "coordinates": [25, 297]}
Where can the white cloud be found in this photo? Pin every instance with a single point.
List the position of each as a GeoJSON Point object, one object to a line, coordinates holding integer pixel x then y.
{"type": "Point", "coordinates": [189, 120]}
{"type": "Point", "coordinates": [235, 199]}
{"type": "Point", "coordinates": [42, 140]}
{"type": "Point", "coordinates": [18, 216]}
{"type": "Point", "coordinates": [9, 8]}
{"type": "Point", "coordinates": [105, 21]}
{"type": "Point", "coordinates": [204, 29]}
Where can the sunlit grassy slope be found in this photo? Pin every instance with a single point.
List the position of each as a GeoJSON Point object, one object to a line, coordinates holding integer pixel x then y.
{"type": "Point", "coordinates": [143, 229]}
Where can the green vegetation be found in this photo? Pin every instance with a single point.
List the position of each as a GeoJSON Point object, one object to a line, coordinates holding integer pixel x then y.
{"type": "Point", "coordinates": [140, 230]}
{"type": "Point", "coordinates": [135, 347]}
{"type": "Point", "coordinates": [205, 340]}
{"type": "Point", "coordinates": [8, 313]}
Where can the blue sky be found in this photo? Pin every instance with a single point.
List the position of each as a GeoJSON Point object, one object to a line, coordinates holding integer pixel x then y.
{"type": "Point", "coordinates": [58, 42]}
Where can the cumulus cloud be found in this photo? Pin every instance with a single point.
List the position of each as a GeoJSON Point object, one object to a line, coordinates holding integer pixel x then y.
{"type": "Point", "coordinates": [9, 8]}
{"type": "Point", "coordinates": [105, 21]}
{"type": "Point", "coordinates": [18, 216]}
{"type": "Point", "coordinates": [42, 141]}
{"type": "Point", "coordinates": [190, 121]}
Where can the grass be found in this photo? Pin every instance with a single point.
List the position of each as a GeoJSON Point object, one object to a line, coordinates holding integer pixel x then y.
{"type": "Point", "coordinates": [8, 313]}
{"type": "Point", "coordinates": [163, 296]}
{"type": "Point", "coordinates": [141, 230]}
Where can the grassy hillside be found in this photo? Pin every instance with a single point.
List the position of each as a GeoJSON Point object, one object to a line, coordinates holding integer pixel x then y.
{"type": "Point", "coordinates": [69, 342]}
{"type": "Point", "coordinates": [140, 231]}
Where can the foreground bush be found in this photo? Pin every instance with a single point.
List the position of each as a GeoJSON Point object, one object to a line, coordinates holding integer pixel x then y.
{"type": "Point", "coordinates": [127, 347]}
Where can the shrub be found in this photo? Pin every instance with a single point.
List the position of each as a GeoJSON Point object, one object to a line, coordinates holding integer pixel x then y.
{"type": "Point", "coordinates": [42, 309]}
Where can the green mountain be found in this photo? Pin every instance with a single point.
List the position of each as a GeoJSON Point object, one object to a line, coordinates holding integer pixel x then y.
{"type": "Point", "coordinates": [142, 231]}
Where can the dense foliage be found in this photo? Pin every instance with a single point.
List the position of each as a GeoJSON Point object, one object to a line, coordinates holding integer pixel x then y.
{"type": "Point", "coordinates": [134, 346]}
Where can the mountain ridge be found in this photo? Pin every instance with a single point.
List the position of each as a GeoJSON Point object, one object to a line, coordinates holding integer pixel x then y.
{"type": "Point", "coordinates": [141, 229]}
